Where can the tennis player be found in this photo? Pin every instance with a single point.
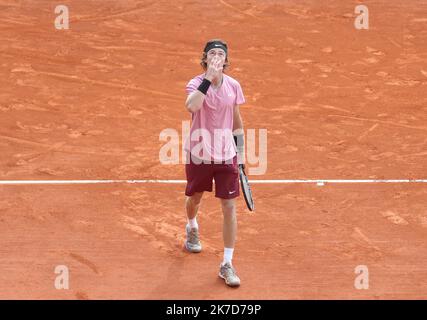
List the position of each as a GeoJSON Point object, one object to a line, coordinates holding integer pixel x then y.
{"type": "Point", "coordinates": [212, 151]}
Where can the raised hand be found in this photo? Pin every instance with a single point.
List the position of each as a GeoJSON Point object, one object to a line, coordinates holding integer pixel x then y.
{"type": "Point", "coordinates": [214, 70]}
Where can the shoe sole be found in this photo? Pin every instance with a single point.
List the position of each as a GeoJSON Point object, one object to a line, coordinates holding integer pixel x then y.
{"type": "Point", "coordinates": [227, 283]}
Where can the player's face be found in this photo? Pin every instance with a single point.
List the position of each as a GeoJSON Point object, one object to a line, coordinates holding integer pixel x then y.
{"type": "Point", "coordinates": [215, 53]}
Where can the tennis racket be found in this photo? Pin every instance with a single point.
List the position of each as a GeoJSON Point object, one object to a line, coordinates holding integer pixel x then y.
{"type": "Point", "coordinates": [247, 193]}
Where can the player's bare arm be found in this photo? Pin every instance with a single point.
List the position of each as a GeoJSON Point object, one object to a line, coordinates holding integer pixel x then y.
{"type": "Point", "coordinates": [238, 133]}
{"type": "Point", "coordinates": [237, 120]}
{"type": "Point", "coordinates": [195, 99]}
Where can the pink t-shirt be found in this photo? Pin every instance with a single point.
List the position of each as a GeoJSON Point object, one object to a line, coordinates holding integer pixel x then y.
{"type": "Point", "coordinates": [211, 133]}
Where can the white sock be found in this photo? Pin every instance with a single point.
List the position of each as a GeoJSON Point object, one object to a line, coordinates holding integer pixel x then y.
{"type": "Point", "coordinates": [192, 223]}
{"type": "Point", "coordinates": [228, 255]}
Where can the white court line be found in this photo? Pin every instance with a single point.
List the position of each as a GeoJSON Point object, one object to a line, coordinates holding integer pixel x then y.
{"type": "Point", "coordinates": [320, 181]}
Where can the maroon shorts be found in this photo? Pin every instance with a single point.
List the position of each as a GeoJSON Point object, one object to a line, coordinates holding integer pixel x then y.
{"type": "Point", "coordinates": [226, 175]}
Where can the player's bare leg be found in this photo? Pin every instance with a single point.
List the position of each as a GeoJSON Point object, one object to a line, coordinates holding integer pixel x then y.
{"type": "Point", "coordinates": [192, 204]}
{"type": "Point", "coordinates": [230, 222]}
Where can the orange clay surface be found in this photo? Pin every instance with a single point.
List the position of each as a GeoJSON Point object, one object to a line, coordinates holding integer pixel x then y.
{"type": "Point", "coordinates": [91, 101]}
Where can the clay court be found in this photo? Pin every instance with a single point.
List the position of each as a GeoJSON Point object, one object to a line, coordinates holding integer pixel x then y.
{"type": "Point", "coordinates": [89, 103]}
